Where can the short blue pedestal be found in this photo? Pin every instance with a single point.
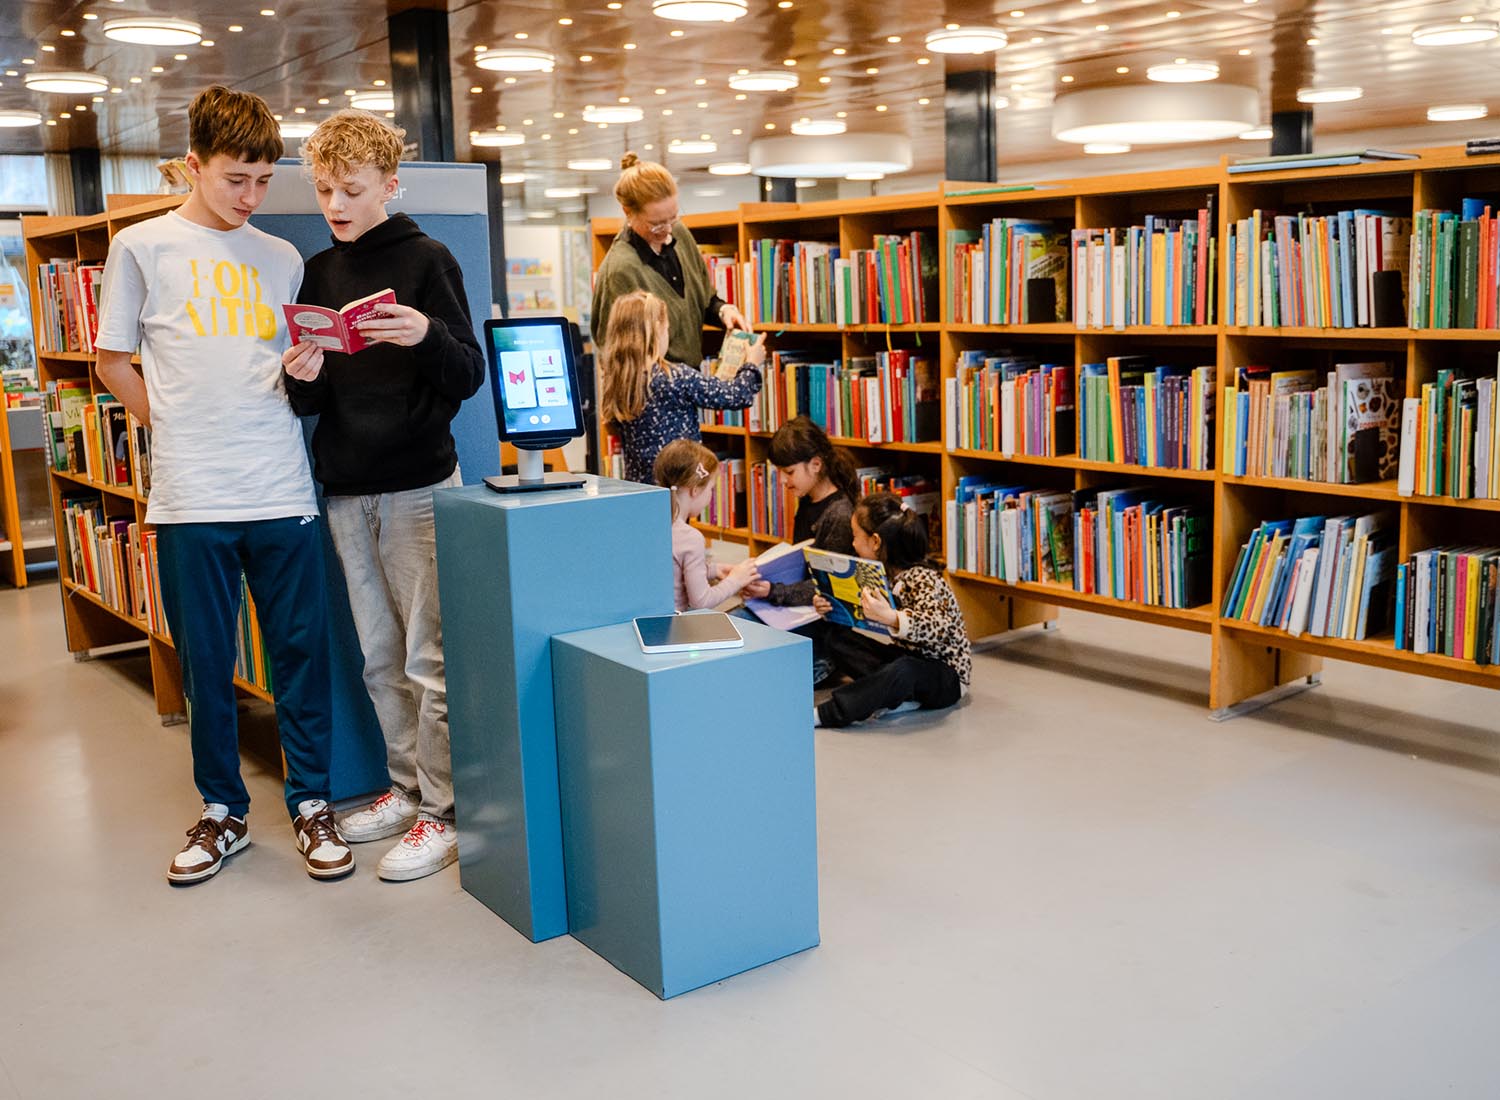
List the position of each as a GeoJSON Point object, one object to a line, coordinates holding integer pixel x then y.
{"type": "Point", "coordinates": [512, 571]}
{"type": "Point", "coordinates": [688, 800]}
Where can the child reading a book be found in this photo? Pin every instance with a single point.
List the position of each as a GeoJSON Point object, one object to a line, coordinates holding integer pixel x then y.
{"type": "Point", "coordinates": [652, 400]}
{"type": "Point", "coordinates": [928, 662]}
{"type": "Point", "coordinates": [687, 468]}
{"type": "Point", "coordinates": [383, 444]}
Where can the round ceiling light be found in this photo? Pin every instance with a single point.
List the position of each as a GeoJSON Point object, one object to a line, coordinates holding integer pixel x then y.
{"type": "Point", "coordinates": [1329, 95]}
{"type": "Point", "coordinates": [954, 39]}
{"type": "Point", "coordinates": [154, 30]}
{"type": "Point", "coordinates": [515, 59]}
{"type": "Point", "coordinates": [613, 114]}
{"type": "Point", "coordinates": [700, 11]}
{"type": "Point", "coordinates": [776, 80]}
{"type": "Point", "coordinates": [1105, 148]}
{"type": "Point", "coordinates": [14, 118]}
{"type": "Point", "coordinates": [591, 164]}
{"type": "Point", "coordinates": [495, 139]}
{"type": "Point", "coordinates": [296, 129]}
{"type": "Point", "coordinates": [686, 147]}
{"type": "Point", "coordinates": [373, 101]}
{"type": "Point", "coordinates": [1260, 133]}
{"type": "Point", "coordinates": [830, 157]}
{"type": "Point", "coordinates": [65, 83]}
{"type": "Point", "coordinates": [819, 127]}
{"type": "Point", "coordinates": [1456, 33]}
{"type": "Point", "coordinates": [1457, 112]}
{"type": "Point", "coordinates": [729, 168]}
{"type": "Point", "coordinates": [1155, 114]}
{"type": "Point", "coordinates": [508, 178]}
{"type": "Point", "coordinates": [1183, 71]}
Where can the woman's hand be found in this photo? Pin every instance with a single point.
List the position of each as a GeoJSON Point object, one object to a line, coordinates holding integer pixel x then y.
{"type": "Point", "coordinates": [303, 361]}
{"type": "Point", "coordinates": [397, 324]}
{"type": "Point", "coordinates": [731, 318]}
{"type": "Point", "coordinates": [821, 604]}
{"type": "Point", "coordinates": [877, 608]}
{"type": "Point", "coordinates": [756, 590]}
{"type": "Point", "coordinates": [755, 355]}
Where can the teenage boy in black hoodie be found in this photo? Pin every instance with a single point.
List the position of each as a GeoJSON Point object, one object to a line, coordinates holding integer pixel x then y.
{"type": "Point", "coordinates": [382, 445]}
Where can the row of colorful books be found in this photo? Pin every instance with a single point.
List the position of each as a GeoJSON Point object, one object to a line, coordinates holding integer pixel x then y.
{"type": "Point", "coordinates": [1324, 576]}
{"type": "Point", "coordinates": [1160, 272]}
{"type": "Point", "coordinates": [68, 305]}
{"type": "Point", "coordinates": [1342, 426]}
{"type": "Point", "coordinates": [890, 397]}
{"type": "Point", "coordinates": [772, 504]}
{"type": "Point", "coordinates": [1448, 602]}
{"type": "Point", "coordinates": [726, 508]}
{"type": "Point", "coordinates": [1454, 259]}
{"type": "Point", "coordinates": [991, 269]}
{"type": "Point", "coordinates": [814, 282]}
{"type": "Point", "coordinates": [724, 276]}
{"type": "Point", "coordinates": [1450, 438]}
{"type": "Point", "coordinates": [1132, 411]}
{"type": "Point", "coordinates": [95, 436]}
{"type": "Point", "coordinates": [1009, 404]}
{"type": "Point", "coordinates": [1306, 269]}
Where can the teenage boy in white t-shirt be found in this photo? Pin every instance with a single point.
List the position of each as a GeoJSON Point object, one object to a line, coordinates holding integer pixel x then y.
{"type": "Point", "coordinates": [201, 292]}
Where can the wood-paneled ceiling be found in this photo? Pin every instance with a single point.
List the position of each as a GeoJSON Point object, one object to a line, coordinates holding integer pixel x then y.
{"type": "Point", "coordinates": [304, 56]}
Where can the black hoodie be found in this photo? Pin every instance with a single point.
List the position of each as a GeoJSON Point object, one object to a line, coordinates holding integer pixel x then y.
{"type": "Point", "coordinates": [383, 413]}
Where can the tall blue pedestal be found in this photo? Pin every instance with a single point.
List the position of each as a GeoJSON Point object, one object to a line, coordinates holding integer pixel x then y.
{"type": "Point", "coordinates": [512, 571]}
{"type": "Point", "coordinates": [688, 800]}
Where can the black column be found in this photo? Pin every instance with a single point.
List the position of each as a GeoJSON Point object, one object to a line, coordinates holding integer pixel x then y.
{"type": "Point", "coordinates": [495, 194]}
{"type": "Point", "coordinates": [421, 82]}
{"type": "Point", "coordinates": [777, 189]}
{"type": "Point", "coordinates": [88, 183]}
{"type": "Point", "coordinates": [969, 125]}
{"type": "Point", "coordinates": [1291, 132]}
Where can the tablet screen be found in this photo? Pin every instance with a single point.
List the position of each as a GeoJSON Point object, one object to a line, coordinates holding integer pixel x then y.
{"type": "Point", "coordinates": [533, 376]}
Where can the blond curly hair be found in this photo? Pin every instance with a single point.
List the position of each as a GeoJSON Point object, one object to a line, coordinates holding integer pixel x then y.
{"type": "Point", "coordinates": [349, 140]}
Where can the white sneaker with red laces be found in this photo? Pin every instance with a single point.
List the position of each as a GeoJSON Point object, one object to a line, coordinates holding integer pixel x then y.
{"type": "Point", "coordinates": [428, 846]}
{"type": "Point", "coordinates": [388, 815]}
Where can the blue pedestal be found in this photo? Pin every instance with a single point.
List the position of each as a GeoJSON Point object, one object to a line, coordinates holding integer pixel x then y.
{"type": "Point", "coordinates": [688, 800]}
{"type": "Point", "coordinates": [513, 571]}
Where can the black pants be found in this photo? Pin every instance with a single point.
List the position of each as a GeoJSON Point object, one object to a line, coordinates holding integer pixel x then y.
{"type": "Point", "coordinates": [884, 676]}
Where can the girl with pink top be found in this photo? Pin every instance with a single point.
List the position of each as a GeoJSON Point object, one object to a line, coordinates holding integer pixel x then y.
{"type": "Point", "coordinates": [686, 468]}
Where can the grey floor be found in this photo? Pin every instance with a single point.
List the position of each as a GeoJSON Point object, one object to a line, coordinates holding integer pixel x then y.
{"type": "Point", "coordinates": [1076, 887]}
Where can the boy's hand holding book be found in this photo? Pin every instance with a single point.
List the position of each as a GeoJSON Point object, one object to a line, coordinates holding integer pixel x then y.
{"type": "Point", "coordinates": [303, 361]}
{"type": "Point", "coordinates": [392, 323]}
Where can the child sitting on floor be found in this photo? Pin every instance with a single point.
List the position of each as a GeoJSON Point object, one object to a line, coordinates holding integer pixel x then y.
{"type": "Point", "coordinates": [687, 469]}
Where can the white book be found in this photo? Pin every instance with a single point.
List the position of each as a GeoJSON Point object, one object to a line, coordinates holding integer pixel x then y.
{"type": "Point", "coordinates": [1485, 388]}
{"type": "Point", "coordinates": [1495, 444]}
{"type": "Point", "coordinates": [950, 530]}
{"type": "Point", "coordinates": [873, 407]}
{"type": "Point", "coordinates": [840, 297]}
{"type": "Point", "coordinates": [950, 413]}
{"type": "Point", "coordinates": [1302, 595]}
{"type": "Point", "coordinates": [1098, 256]}
{"type": "Point", "coordinates": [1332, 467]}
{"type": "Point", "coordinates": [1008, 417]}
{"type": "Point", "coordinates": [1117, 284]}
{"type": "Point", "coordinates": [1010, 543]}
{"type": "Point", "coordinates": [1362, 264]}
{"type": "Point", "coordinates": [1332, 538]}
{"type": "Point", "coordinates": [1406, 472]}
{"type": "Point", "coordinates": [1422, 618]}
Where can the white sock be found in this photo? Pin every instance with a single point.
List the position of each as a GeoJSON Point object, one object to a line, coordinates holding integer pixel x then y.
{"type": "Point", "coordinates": [216, 810]}
{"type": "Point", "coordinates": [309, 806]}
{"type": "Point", "coordinates": [817, 718]}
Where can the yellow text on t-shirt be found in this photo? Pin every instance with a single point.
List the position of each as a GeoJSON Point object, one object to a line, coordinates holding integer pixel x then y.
{"type": "Point", "coordinates": [228, 295]}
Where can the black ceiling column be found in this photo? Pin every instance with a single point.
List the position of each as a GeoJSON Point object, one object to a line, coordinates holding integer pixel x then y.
{"type": "Point", "coordinates": [421, 82]}
{"type": "Point", "coordinates": [969, 125]}
{"type": "Point", "coordinates": [1291, 132]}
{"type": "Point", "coordinates": [778, 189]}
{"type": "Point", "coordinates": [88, 182]}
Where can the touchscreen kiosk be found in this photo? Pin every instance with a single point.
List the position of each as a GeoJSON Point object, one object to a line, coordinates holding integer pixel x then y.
{"type": "Point", "coordinates": [534, 380]}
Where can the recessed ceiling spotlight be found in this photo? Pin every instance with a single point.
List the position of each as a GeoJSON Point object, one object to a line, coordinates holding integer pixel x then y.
{"type": "Point", "coordinates": [1183, 71]}
{"type": "Point", "coordinates": [493, 139]}
{"type": "Point", "coordinates": [13, 118]}
{"type": "Point", "coordinates": [1457, 112]}
{"type": "Point", "coordinates": [729, 168]}
{"type": "Point", "coordinates": [769, 80]}
{"type": "Point", "coordinates": [839, 51]}
{"type": "Point", "coordinates": [68, 33]}
{"type": "Point", "coordinates": [153, 30]}
{"type": "Point", "coordinates": [373, 101]}
{"type": "Point", "coordinates": [953, 39]}
{"type": "Point", "coordinates": [1105, 148]}
{"type": "Point", "coordinates": [1455, 33]}
{"type": "Point", "coordinates": [65, 83]}
{"type": "Point", "coordinates": [687, 147]}
{"type": "Point", "coordinates": [508, 178]}
{"type": "Point", "coordinates": [700, 11]}
{"type": "Point", "coordinates": [590, 164]}
{"type": "Point", "coordinates": [609, 113]}
{"type": "Point", "coordinates": [819, 127]}
{"type": "Point", "coordinates": [709, 192]}
{"type": "Point", "coordinates": [1329, 95]}
{"type": "Point", "coordinates": [515, 59]}
{"type": "Point", "coordinates": [1260, 133]}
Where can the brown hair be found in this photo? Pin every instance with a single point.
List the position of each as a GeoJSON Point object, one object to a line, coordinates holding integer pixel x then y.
{"type": "Point", "coordinates": [237, 124]}
{"type": "Point", "coordinates": [349, 140]}
{"type": "Point", "coordinates": [684, 464]}
{"type": "Point", "coordinates": [800, 440]}
{"type": "Point", "coordinates": [633, 345]}
{"type": "Point", "coordinates": [641, 183]}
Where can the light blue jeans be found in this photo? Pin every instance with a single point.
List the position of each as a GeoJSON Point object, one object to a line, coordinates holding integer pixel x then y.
{"type": "Point", "coordinates": [387, 545]}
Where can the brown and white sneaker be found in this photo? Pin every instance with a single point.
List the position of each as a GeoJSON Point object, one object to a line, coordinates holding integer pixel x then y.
{"type": "Point", "coordinates": [211, 841]}
{"type": "Point", "coordinates": [318, 839]}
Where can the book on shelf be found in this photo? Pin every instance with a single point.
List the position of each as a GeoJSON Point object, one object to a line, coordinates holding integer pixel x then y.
{"type": "Point", "coordinates": [1136, 412]}
{"type": "Point", "coordinates": [1010, 405]}
{"type": "Point", "coordinates": [815, 282]}
{"type": "Point", "coordinates": [1481, 147]}
{"type": "Point", "coordinates": [1142, 545]}
{"type": "Point", "coordinates": [1326, 576]}
{"type": "Point", "coordinates": [1447, 602]}
{"type": "Point", "coordinates": [840, 578]}
{"type": "Point", "coordinates": [889, 397]}
{"type": "Point", "coordinates": [68, 305]}
{"type": "Point", "coordinates": [1454, 262]}
{"type": "Point", "coordinates": [989, 271]}
{"type": "Point", "coordinates": [1341, 427]}
{"type": "Point", "coordinates": [1160, 272]}
{"type": "Point", "coordinates": [614, 457]}
{"type": "Point", "coordinates": [1449, 442]}
{"type": "Point", "coordinates": [336, 329]}
{"type": "Point", "coordinates": [63, 402]}
{"type": "Point", "coordinates": [726, 505]}
{"type": "Point", "coordinates": [723, 272]}
{"type": "Point", "coordinates": [251, 661]}
{"type": "Point", "coordinates": [770, 501]}
{"type": "Point", "coordinates": [1010, 532]}
{"type": "Point", "coordinates": [1315, 160]}
{"type": "Point", "coordinates": [784, 563]}
{"type": "Point", "coordinates": [1313, 270]}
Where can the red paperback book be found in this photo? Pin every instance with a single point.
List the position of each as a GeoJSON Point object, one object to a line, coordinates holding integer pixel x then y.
{"type": "Point", "coordinates": [335, 329]}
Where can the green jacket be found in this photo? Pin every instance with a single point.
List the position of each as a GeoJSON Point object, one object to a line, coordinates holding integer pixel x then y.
{"type": "Point", "coordinates": [623, 271]}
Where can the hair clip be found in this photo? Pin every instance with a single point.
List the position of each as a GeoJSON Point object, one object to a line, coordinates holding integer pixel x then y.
{"type": "Point", "coordinates": [702, 472]}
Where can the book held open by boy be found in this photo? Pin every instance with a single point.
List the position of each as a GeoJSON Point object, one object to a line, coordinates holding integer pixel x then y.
{"type": "Point", "coordinates": [336, 329]}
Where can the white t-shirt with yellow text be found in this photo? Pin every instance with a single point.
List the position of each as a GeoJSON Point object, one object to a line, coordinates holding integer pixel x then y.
{"type": "Point", "coordinates": [204, 307]}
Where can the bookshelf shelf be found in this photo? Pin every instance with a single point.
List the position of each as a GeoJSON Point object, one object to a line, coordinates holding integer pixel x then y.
{"type": "Point", "coordinates": [1247, 661]}
{"type": "Point", "coordinates": [66, 356]}
{"type": "Point", "coordinates": [83, 482]}
{"type": "Point", "coordinates": [732, 534]}
{"type": "Point", "coordinates": [722, 429]}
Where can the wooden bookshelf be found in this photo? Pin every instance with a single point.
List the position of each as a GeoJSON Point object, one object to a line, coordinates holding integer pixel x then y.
{"type": "Point", "coordinates": [1247, 661]}
{"type": "Point", "coordinates": [89, 622]}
